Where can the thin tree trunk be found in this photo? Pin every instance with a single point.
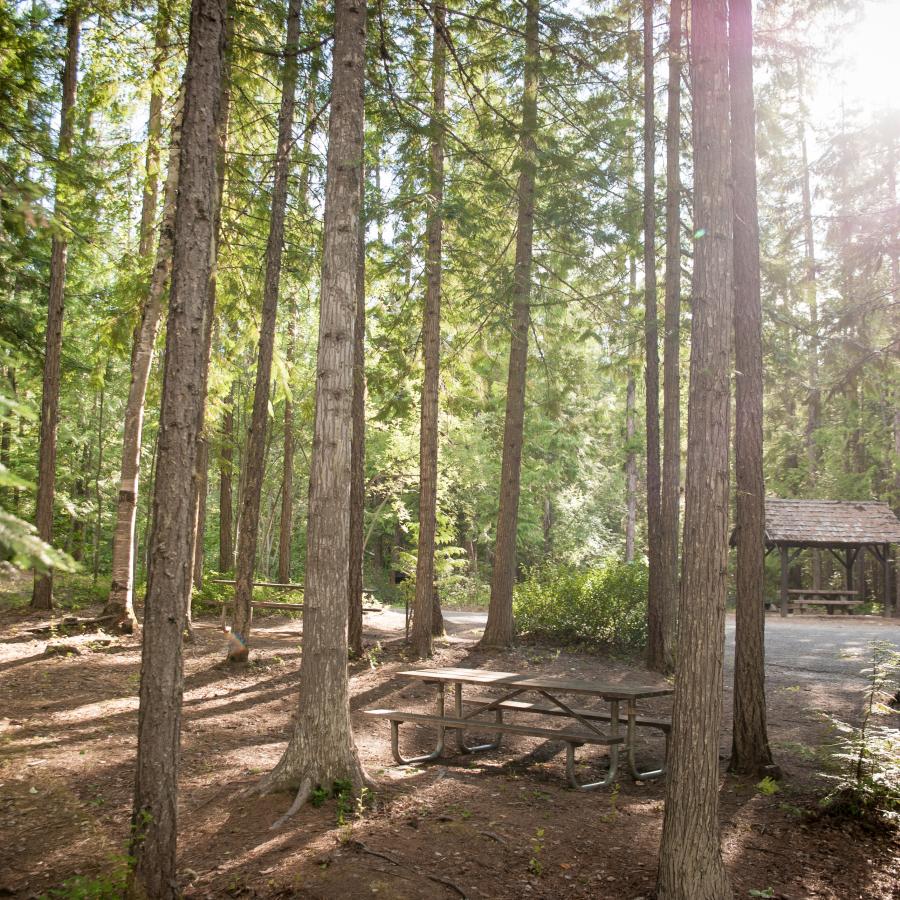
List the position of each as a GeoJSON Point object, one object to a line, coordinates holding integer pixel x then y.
{"type": "Point", "coordinates": [120, 602]}
{"type": "Point", "coordinates": [750, 752]}
{"type": "Point", "coordinates": [287, 496]}
{"type": "Point", "coordinates": [655, 614]}
{"type": "Point", "coordinates": [42, 594]}
{"type": "Point", "coordinates": [630, 470]}
{"type": "Point", "coordinates": [287, 477]}
{"type": "Point", "coordinates": [321, 750]}
{"type": "Point", "coordinates": [810, 292]}
{"type": "Point", "coordinates": [98, 474]}
{"type": "Point", "coordinates": [256, 438]}
{"type": "Point", "coordinates": [690, 863]}
{"type": "Point", "coordinates": [431, 349]}
{"type": "Point", "coordinates": [671, 464]}
{"type": "Point", "coordinates": [226, 469]}
{"type": "Point", "coordinates": [358, 447]}
{"type": "Point", "coordinates": [199, 477]}
{"type": "Point", "coordinates": [6, 441]}
{"type": "Point", "coordinates": [154, 825]}
{"type": "Point", "coordinates": [202, 498]}
{"type": "Point", "coordinates": [154, 131]}
{"type": "Point", "coordinates": [500, 627]}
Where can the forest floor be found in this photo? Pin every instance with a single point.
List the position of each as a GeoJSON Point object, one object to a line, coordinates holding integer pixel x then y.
{"type": "Point", "coordinates": [498, 825]}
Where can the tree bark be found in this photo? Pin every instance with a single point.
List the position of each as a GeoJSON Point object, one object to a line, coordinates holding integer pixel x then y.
{"type": "Point", "coordinates": [120, 602]}
{"type": "Point", "coordinates": [655, 615]}
{"type": "Point", "coordinates": [321, 750]}
{"type": "Point", "coordinates": [256, 438]}
{"type": "Point", "coordinates": [431, 350]}
{"type": "Point", "coordinates": [810, 293]}
{"type": "Point", "coordinates": [287, 496]}
{"type": "Point", "coordinates": [358, 446]}
{"type": "Point", "coordinates": [671, 464]}
{"type": "Point", "coordinates": [154, 825]}
{"type": "Point", "coordinates": [226, 471]}
{"type": "Point", "coordinates": [42, 593]}
{"type": "Point", "coordinates": [750, 752]}
{"type": "Point", "coordinates": [98, 474]}
{"type": "Point", "coordinates": [690, 864]}
{"type": "Point", "coordinates": [500, 627]}
{"type": "Point", "coordinates": [199, 479]}
{"type": "Point", "coordinates": [630, 470]}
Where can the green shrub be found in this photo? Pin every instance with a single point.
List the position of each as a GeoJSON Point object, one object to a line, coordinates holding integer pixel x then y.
{"type": "Point", "coordinates": [868, 782]}
{"type": "Point", "coordinates": [606, 604]}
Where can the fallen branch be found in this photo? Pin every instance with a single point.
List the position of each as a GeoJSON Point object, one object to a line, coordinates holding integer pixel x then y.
{"type": "Point", "coordinates": [359, 845]}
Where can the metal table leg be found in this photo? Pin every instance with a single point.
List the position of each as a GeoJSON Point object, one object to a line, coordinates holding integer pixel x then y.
{"type": "Point", "coordinates": [460, 734]}
{"type": "Point", "coordinates": [439, 746]}
{"type": "Point", "coordinates": [629, 740]}
{"type": "Point", "coordinates": [613, 756]}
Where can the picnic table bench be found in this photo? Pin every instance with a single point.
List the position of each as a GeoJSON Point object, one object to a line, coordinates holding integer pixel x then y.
{"type": "Point", "coordinates": [813, 597]}
{"type": "Point", "coordinates": [274, 604]}
{"type": "Point", "coordinates": [580, 727]}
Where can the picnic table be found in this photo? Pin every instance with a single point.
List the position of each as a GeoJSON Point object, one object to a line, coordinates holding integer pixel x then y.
{"type": "Point", "coordinates": [580, 727]}
{"type": "Point", "coordinates": [829, 598]}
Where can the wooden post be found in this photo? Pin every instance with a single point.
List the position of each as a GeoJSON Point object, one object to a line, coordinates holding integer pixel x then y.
{"type": "Point", "coordinates": [849, 559]}
{"type": "Point", "coordinates": [886, 566]}
{"type": "Point", "coordinates": [784, 580]}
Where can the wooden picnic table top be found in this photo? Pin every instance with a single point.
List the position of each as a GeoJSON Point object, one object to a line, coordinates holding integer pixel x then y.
{"type": "Point", "coordinates": [812, 592]}
{"type": "Point", "coordinates": [515, 680]}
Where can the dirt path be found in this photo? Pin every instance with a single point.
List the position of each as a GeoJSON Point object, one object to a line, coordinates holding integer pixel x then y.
{"type": "Point", "coordinates": [501, 825]}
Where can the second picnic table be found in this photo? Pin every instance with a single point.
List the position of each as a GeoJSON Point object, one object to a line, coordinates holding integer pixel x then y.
{"type": "Point", "coordinates": [549, 689]}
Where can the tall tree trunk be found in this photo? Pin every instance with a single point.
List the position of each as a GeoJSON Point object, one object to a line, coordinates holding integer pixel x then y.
{"type": "Point", "coordinates": [630, 470]}
{"type": "Point", "coordinates": [98, 474]}
{"type": "Point", "coordinates": [499, 630]}
{"type": "Point", "coordinates": [671, 464]}
{"type": "Point", "coordinates": [154, 824]}
{"type": "Point", "coordinates": [431, 350]}
{"type": "Point", "coordinates": [321, 750]}
{"type": "Point", "coordinates": [690, 863]}
{"type": "Point", "coordinates": [287, 475]}
{"type": "Point", "coordinates": [42, 594]}
{"type": "Point", "coordinates": [154, 131]}
{"type": "Point", "coordinates": [120, 602]}
{"type": "Point", "coordinates": [6, 442]}
{"type": "Point", "coordinates": [750, 745]}
{"type": "Point", "coordinates": [810, 294]}
{"type": "Point", "coordinates": [201, 466]}
{"type": "Point", "coordinates": [256, 438]}
{"type": "Point", "coordinates": [287, 495]}
{"type": "Point", "coordinates": [358, 446]}
{"type": "Point", "coordinates": [655, 614]}
{"type": "Point", "coordinates": [226, 470]}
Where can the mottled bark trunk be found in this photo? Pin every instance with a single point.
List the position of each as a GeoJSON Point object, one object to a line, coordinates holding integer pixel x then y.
{"type": "Point", "coordinates": [98, 474]}
{"type": "Point", "coordinates": [431, 351]}
{"type": "Point", "coordinates": [239, 647]}
{"type": "Point", "coordinates": [655, 614]}
{"type": "Point", "coordinates": [5, 444]}
{"type": "Point", "coordinates": [120, 602]}
{"type": "Point", "coordinates": [630, 470]}
{"type": "Point", "coordinates": [226, 471]}
{"type": "Point", "coordinates": [200, 528]}
{"type": "Point", "coordinates": [199, 478]}
{"type": "Point", "coordinates": [42, 593]}
{"type": "Point", "coordinates": [500, 627]}
{"type": "Point", "coordinates": [358, 446]}
{"type": "Point", "coordinates": [750, 746]}
{"type": "Point", "coordinates": [690, 864]}
{"type": "Point", "coordinates": [671, 464]}
{"type": "Point", "coordinates": [154, 825]}
{"type": "Point", "coordinates": [810, 294]}
{"type": "Point", "coordinates": [321, 750]}
{"type": "Point", "coordinates": [287, 497]}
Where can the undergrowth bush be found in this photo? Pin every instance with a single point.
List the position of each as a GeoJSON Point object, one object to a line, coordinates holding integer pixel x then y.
{"type": "Point", "coordinates": [606, 604]}
{"type": "Point", "coordinates": [868, 783]}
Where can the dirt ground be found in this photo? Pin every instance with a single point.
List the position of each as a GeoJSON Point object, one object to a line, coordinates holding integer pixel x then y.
{"type": "Point", "coordinates": [499, 825]}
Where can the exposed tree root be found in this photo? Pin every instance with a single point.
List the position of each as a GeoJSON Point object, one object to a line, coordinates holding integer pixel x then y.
{"type": "Point", "coordinates": [303, 794]}
{"type": "Point", "coordinates": [359, 845]}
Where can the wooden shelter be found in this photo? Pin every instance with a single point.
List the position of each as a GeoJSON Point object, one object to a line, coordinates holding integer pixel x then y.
{"type": "Point", "coordinates": [843, 528]}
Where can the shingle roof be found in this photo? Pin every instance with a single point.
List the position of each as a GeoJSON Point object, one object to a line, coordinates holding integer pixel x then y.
{"type": "Point", "coordinates": [830, 522]}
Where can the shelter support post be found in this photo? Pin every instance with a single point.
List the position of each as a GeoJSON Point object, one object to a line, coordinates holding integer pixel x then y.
{"type": "Point", "coordinates": [783, 553]}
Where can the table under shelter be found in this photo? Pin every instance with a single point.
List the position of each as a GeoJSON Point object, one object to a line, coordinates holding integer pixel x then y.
{"type": "Point", "coordinates": [843, 528]}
